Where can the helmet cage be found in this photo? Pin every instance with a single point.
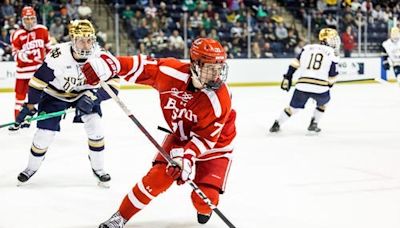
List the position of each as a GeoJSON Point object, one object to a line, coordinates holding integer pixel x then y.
{"type": "Point", "coordinates": [209, 75]}
{"type": "Point", "coordinates": [81, 52]}
{"type": "Point", "coordinates": [79, 31]}
{"type": "Point", "coordinates": [30, 25]}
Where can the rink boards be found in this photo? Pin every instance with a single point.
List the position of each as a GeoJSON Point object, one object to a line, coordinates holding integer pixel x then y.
{"type": "Point", "coordinates": [254, 72]}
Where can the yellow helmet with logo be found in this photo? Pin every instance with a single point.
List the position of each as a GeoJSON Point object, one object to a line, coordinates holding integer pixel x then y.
{"type": "Point", "coordinates": [82, 30]}
{"type": "Point", "coordinates": [395, 34]}
{"type": "Point", "coordinates": [329, 37]}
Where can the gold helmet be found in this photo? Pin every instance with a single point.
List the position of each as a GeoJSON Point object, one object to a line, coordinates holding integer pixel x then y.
{"type": "Point", "coordinates": [395, 34]}
{"type": "Point", "coordinates": [82, 30]}
{"type": "Point", "coordinates": [329, 37]}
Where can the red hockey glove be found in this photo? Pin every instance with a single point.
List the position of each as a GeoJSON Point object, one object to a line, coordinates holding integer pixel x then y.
{"type": "Point", "coordinates": [180, 172]}
{"type": "Point", "coordinates": [100, 68]}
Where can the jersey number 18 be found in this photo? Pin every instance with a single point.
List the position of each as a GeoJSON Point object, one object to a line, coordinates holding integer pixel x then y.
{"type": "Point", "coordinates": [315, 61]}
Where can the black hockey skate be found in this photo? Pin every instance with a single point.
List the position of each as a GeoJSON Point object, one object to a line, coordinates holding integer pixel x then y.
{"type": "Point", "coordinates": [25, 175]}
{"type": "Point", "coordinates": [116, 221]}
{"type": "Point", "coordinates": [203, 219]}
{"type": "Point", "coordinates": [18, 126]}
{"type": "Point", "coordinates": [275, 127]}
{"type": "Point", "coordinates": [313, 127]}
{"type": "Point", "coordinates": [102, 177]}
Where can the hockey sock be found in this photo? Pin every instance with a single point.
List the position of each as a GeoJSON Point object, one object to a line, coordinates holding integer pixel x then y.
{"type": "Point", "coordinates": [318, 112]}
{"type": "Point", "coordinates": [36, 157]}
{"type": "Point", "coordinates": [212, 193]}
{"type": "Point", "coordinates": [286, 114]}
{"type": "Point", "coordinates": [152, 184]}
{"type": "Point", "coordinates": [96, 153]}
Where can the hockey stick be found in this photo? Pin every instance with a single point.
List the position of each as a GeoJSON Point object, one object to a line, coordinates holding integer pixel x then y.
{"type": "Point", "coordinates": [163, 153]}
{"type": "Point", "coordinates": [5, 44]}
{"type": "Point", "coordinates": [41, 117]}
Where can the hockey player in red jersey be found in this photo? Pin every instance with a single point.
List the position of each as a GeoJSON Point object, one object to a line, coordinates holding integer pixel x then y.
{"type": "Point", "coordinates": [196, 104]}
{"type": "Point", "coordinates": [29, 47]}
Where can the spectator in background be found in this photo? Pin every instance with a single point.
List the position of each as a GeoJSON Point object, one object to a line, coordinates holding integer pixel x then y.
{"type": "Point", "coordinates": [7, 10]}
{"type": "Point", "coordinates": [331, 22]}
{"type": "Point", "coordinates": [267, 51]}
{"type": "Point", "coordinates": [367, 6]}
{"type": "Point", "coordinates": [150, 10]}
{"type": "Point", "coordinates": [65, 17]}
{"type": "Point", "coordinates": [348, 41]}
{"type": "Point", "coordinates": [84, 11]}
{"type": "Point", "coordinates": [355, 5]}
{"type": "Point", "coordinates": [255, 50]}
{"type": "Point", "coordinates": [5, 46]}
{"type": "Point", "coordinates": [128, 13]}
{"type": "Point", "coordinates": [281, 32]}
{"type": "Point", "coordinates": [45, 9]}
{"type": "Point", "coordinates": [57, 29]}
{"type": "Point", "coordinates": [72, 8]}
{"type": "Point", "coordinates": [176, 42]}
{"type": "Point", "coordinates": [11, 26]}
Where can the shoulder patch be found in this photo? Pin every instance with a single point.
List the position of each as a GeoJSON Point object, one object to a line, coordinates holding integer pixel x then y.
{"type": "Point", "coordinates": [55, 52]}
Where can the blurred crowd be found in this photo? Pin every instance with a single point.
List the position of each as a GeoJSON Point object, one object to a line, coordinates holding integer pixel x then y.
{"type": "Point", "coordinates": [350, 17]}
{"type": "Point", "coordinates": [157, 27]}
{"type": "Point", "coordinates": [55, 15]}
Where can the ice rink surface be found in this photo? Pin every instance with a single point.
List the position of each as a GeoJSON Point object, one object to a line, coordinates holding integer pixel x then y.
{"type": "Point", "coordinates": [348, 176]}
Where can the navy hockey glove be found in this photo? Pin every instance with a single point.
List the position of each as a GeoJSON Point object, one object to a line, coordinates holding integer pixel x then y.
{"type": "Point", "coordinates": [85, 104]}
{"type": "Point", "coordinates": [386, 65]}
{"type": "Point", "coordinates": [286, 83]}
{"type": "Point", "coordinates": [23, 114]}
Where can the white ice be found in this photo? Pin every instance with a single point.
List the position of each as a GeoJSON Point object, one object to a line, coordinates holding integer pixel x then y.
{"type": "Point", "coordinates": [347, 177]}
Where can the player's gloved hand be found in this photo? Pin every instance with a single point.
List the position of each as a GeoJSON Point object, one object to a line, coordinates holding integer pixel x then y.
{"type": "Point", "coordinates": [27, 111]}
{"type": "Point", "coordinates": [86, 103]}
{"type": "Point", "coordinates": [100, 68]}
{"type": "Point", "coordinates": [386, 66]}
{"type": "Point", "coordinates": [24, 56]}
{"type": "Point", "coordinates": [183, 168]}
{"type": "Point", "coordinates": [286, 83]}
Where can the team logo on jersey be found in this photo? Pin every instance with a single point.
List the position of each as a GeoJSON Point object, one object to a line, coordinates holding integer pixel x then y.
{"type": "Point", "coordinates": [55, 52]}
{"type": "Point", "coordinates": [182, 95]}
{"type": "Point", "coordinates": [33, 35]}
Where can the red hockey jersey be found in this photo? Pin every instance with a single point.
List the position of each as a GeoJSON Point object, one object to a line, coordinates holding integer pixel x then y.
{"type": "Point", "coordinates": [203, 119]}
{"type": "Point", "coordinates": [35, 43]}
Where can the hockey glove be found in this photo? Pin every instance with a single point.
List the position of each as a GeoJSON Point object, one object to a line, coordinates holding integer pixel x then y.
{"type": "Point", "coordinates": [100, 68]}
{"type": "Point", "coordinates": [183, 168]}
{"type": "Point", "coordinates": [26, 112]}
{"type": "Point", "coordinates": [386, 65]}
{"type": "Point", "coordinates": [86, 103]}
{"type": "Point", "coordinates": [286, 83]}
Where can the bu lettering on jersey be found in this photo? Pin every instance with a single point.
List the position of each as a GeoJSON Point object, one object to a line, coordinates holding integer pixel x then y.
{"type": "Point", "coordinates": [202, 119]}
{"type": "Point", "coordinates": [35, 44]}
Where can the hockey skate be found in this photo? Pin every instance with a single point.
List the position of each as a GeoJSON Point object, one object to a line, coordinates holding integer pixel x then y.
{"type": "Point", "coordinates": [313, 127]}
{"type": "Point", "coordinates": [16, 126]}
{"type": "Point", "coordinates": [203, 219]}
{"type": "Point", "coordinates": [275, 127]}
{"type": "Point", "coordinates": [102, 177]}
{"type": "Point", "coordinates": [24, 176]}
{"type": "Point", "coordinates": [116, 221]}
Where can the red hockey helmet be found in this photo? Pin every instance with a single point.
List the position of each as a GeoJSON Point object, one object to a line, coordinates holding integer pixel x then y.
{"type": "Point", "coordinates": [28, 11]}
{"type": "Point", "coordinates": [28, 16]}
{"type": "Point", "coordinates": [206, 50]}
{"type": "Point", "coordinates": [208, 66]}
